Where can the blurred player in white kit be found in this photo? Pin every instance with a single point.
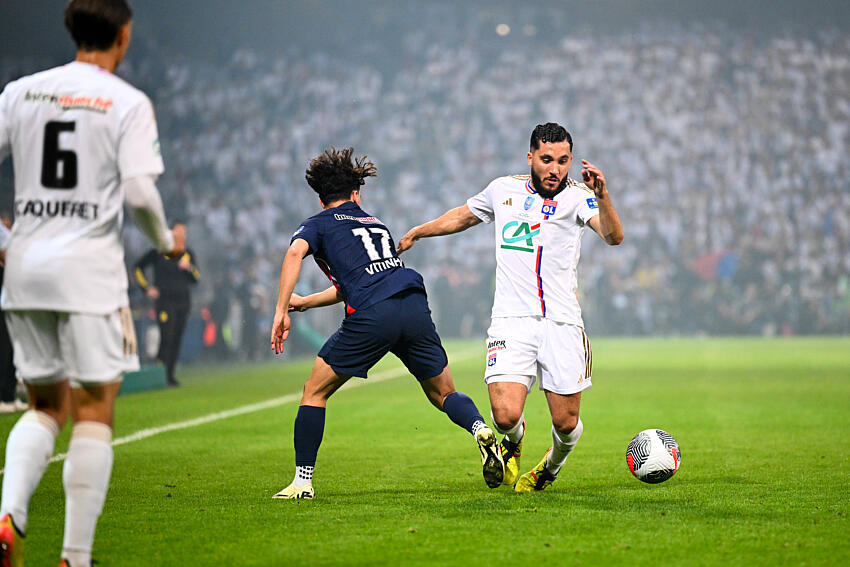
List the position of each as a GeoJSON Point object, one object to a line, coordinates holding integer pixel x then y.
{"type": "Point", "coordinates": [82, 142]}
{"type": "Point", "coordinates": [536, 331]}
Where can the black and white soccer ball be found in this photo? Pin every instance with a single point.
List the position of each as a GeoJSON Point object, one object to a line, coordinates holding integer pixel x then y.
{"type": "Point", "coordinates": [653, 456]}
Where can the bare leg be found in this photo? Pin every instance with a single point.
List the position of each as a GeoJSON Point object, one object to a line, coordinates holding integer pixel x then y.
{"type": "Point", "coordinates": [438, 388]}
{"type": "Point", "coordinates": [52, 399]}
{"type": "Point", "coordinates": [507, 400]}
{"type": "Point", "coordinates": [95, 403]}
{"type": "Point", "coordinates": [321, 384]}
{"type": "Point", "coordinates": [458, 406]}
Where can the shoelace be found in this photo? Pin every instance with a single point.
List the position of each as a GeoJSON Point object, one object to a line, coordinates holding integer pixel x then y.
{"type": "Point", "coordinates": [510, 447]}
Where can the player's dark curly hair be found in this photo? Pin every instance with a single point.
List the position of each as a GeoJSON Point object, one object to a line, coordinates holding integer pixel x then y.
{"type": "Point", "coordinates": [548, 133]}
{"type": "Point", "coordinates": [94, 24]}
{"type": "Point", "coordinates": [333, 174]}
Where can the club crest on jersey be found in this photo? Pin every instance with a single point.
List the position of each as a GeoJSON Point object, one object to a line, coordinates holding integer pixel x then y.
{"type": "Point", "coordinates": [519, 236]}
{"type": "Point", "coordinates": [591, 202]}
{"type": "Point", "coordinates": [491, 360]}
{"type": "Point", "coordinates": [529, 202]}
{"type": "Point", "coordinates": [549, 207]}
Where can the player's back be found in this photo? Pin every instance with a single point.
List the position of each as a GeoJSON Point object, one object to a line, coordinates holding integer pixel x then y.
{"type": "Point", "coordinates": [75, 133]}
{"type": "Point", "coordinates": [356, 251]}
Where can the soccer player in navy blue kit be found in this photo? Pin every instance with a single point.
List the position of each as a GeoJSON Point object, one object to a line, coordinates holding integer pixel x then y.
{"type": "Point", "coordinates": [386, 311]}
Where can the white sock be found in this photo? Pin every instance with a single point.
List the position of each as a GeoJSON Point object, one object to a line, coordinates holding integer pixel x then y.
{"type": "Point", "coordinates": [476, 426]}
{"type": "Point", "coordinates": [28, 450]}
{"type": "Point", "coordinates": [515, 433]}
{"type": "Point", "coordinates": [562, 446]}
{"type": "Point", "coordinates": [88, 467]}
{"type": "Point", "coordinates": [303, 476]}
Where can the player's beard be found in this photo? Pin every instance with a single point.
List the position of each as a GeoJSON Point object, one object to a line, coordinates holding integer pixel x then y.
{"type": "Point", "coordinates": [543, 192]}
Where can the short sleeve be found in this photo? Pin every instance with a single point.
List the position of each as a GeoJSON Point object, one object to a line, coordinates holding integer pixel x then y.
{"type": "Point", "coordinates": [138, 147]}
{"type": "Point", "coordinates": [587, 208]}
{"type": "Point", "coordinates": [309, 232]}
{"type": "Point", "coordinates": [5, 126]}
{"type": "Point", "coordinates": [481, 205]}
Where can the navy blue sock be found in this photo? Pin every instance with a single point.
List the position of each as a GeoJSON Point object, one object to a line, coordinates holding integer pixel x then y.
{"type": "Point", "coordinates": [309, 429]}
{"type": "Point", "coordinates": [461, 410]}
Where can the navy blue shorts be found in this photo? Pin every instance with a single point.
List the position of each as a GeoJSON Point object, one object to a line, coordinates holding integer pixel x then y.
{"type": "Point", "coordinates": [401, 325]}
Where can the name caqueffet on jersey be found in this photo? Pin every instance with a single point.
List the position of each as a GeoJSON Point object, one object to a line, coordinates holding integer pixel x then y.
{"type": "Point", "coordinates": [50, 209]}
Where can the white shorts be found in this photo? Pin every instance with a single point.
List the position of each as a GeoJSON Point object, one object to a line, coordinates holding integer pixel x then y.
{"type": "Point", "coordinates": [523, 349]}
{"type": "Point", "coordinates": [85, 348]}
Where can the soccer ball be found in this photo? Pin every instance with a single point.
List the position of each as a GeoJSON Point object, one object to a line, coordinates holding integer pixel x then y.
{"type": "Point", "coordinates": [653, 456]}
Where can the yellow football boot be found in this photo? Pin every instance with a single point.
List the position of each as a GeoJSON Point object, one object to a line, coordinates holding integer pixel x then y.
{"type": "Point", "coordinates": [511, 453]}
{"type": "Point", "coordinates": [537, 478]}
{"type": "Point", "coordinates": [293, 492]}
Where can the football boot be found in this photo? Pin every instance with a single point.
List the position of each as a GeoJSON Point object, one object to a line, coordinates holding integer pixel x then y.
{"type": "Point", "coordinates": [511, 453]}
{"type": "Point", "coordinates": [293, 492]}
{"type": "Point", "coordinates": [11, 543]}
{"type": "Point", "coordinates": [491, 457]}
{"type": "Point", "coordinates": [537, 478]}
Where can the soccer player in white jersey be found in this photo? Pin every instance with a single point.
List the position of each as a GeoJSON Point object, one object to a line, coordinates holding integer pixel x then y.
{"type": "Point", "coordinates": [536, 332]}
{"type": "Point", "coordinates": [82, 142]}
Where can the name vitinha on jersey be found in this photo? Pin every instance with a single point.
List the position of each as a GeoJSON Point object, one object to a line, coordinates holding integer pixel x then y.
{"type": "Point", "coordinates": [382, 265]}
{"type": "Point", "coordinates": [38, 208]}
{"type": "Point", "coordinates": [68, 102]}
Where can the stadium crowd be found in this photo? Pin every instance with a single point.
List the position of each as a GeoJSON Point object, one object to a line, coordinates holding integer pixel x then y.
{"type": "Point", "coordinates": [726, 155]}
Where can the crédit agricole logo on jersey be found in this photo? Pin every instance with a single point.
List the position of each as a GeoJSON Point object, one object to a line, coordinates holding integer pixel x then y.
{"type": "Point", "coordinates": [518, 235]}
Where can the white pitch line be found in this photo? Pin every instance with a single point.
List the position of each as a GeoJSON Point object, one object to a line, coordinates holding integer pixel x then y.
{"type": "Point", "coordinates": [250, 408]}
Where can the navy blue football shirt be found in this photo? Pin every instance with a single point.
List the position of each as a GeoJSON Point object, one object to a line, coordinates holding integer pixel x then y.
{"type": "Point", "coordinates": [355, 250]}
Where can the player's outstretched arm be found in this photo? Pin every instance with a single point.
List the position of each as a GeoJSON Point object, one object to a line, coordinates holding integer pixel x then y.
{"type": "Point", "coordinates": [607, 223]}
{"type": "Point", "coordinates": [144, 201]}
{"type": "Point", "coordinates": [289, 272]}
{"type": "Point", "coordinates": [330, 296]}
{"type": "Point", "coordinates": [452, 221]}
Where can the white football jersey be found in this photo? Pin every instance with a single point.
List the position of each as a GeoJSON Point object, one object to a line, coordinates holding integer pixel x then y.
{"type": "Point", "coordinates": [75, 133]}
{"type": "Point", "coordinates": [538, 242]}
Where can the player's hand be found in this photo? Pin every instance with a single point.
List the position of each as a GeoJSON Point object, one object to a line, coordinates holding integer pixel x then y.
{"type": "Point", "coordinates": [407, 241]}
{"type": "Point", "coordinates": [184, 263]}
{"type": "Point", "coordinates": [280, 331]}
{"type": "Point", "coordinates": [153, 292]}
{"type": "Point", "coordinates": [297, 303]}
{"type": "Point", "coordinates": [593, 178]}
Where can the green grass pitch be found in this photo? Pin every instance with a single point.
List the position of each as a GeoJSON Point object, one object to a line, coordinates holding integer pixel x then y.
{"type": "Point", "coordinates": [764, 427]}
